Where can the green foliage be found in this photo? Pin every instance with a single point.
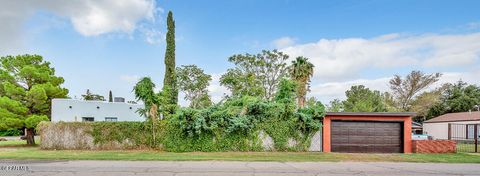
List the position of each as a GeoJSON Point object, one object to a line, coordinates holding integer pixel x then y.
{"type": "Point", "coordinates": [138, 134]}
{"type": "Point", "coordinates": [144, 91]}
{"type": "Point", "coordinates": [90, 96]}
{"type": "Point", "coordinates": [170, 89]}
{"type": "Point", "coordinates": [30, 81]}
{"type": "Point", "coordinates": [194, 83]}
{"type": "Point", "coordinates": [33, 120]}
{"type": "Point", "coordinates": [286, 91]}
{"type": "Point", "coordinates": [242, 84]}
{"type": "Point", "coordinates": [234, 125]}
{"type": "Point", "coordinates": [335, 105]}
{"type": "Point", "coordinates": [362, 99]}
{"type": "Point", "coordinates": [406, 89]}
{"type": "Point", "coordinates": [459, 97]}
{"type": "Point", "coordinates": [301, 71]}
{"type": "Point", "coordinates": [255, 75]}
{"type": "Point", "coordinates": [110, 96]}
{"type": "Point", "coordinates": [10, 132]}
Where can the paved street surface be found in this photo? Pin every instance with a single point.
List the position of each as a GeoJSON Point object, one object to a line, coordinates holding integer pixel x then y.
{"type": "Point", "coordinates": [143, 168]}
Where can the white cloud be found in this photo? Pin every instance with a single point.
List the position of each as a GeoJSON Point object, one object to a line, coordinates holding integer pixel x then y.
{"type": "Point", "coordinates": [340, 63]}
{"type": "Point", "coordinates": [328, 91]}
{"type": "Point", "coordinates": [88, 17]}
{"type": "Point", "coordinates": [344, 59]}
{"type": "Point", "coordinates": [283, 42]}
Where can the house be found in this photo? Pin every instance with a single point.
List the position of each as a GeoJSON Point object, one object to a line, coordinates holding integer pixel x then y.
{"type": "Point", "coordinates": [367, 132]}
{"type": "Point", "coordinates": [417, 128]}
{"type": "Point", "coordinates": [438, 127]}
{"type": "Point", "coordinates": [70, 110]}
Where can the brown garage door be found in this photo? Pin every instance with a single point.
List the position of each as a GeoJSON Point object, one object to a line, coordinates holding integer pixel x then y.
{"type": "Point", "coordinates": [366, 137]}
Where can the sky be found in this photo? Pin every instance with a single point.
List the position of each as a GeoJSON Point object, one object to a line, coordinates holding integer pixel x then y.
{"type": "Point", "coordinates": [105, 45]}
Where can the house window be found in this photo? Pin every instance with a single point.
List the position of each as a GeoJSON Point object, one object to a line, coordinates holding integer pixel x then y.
{"type": "Point", "coordinates": [87, 119]}
{"type": "Point", "coordinates": [110, 119]}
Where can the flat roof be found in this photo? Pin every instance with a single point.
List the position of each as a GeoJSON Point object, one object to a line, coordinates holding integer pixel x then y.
{"type": "Point", "coordinates": [378, 114]}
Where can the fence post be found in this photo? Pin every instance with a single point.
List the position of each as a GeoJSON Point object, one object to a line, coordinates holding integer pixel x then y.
{"type": "Point", "coordinates": [449, 131]}
{"type": "Point", "coordinates": [475, 133]}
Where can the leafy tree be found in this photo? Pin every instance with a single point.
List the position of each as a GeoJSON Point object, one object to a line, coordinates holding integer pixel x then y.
{"type": "Point", "coordinates": [110, 96]}
{"type": "Point", "coordinates": [286, 91]}
{"type": "Point", "coordinates": [459, 97]}
{"type": "Point", "coordinates": [407, 88]}
{"type": "Point", "coordinates": [12, 113]}
{"type": "Point", "coordinates": [362, 99]}
{"type": "Point", "coordinates": [27, 86]}
{"type": "Point", "coordinates": [241, 84]}
{"type": "Point", "coordinates": [194, 83]}
{"type": "Point", "coordinates": [390, 103]}
{"type": "Point", "coordinates": [311, 101]}
{"type": "Point", "coordinates": [90, 96]}
{"type": "Point", "coordinates": [301, 71]}
{"type": "Point", "coordinates": [256, 75]}
{"type": "Point", "coordinates": [170, 90]}
{"type": "Point", "coordinates": [144, 91]}
{"type": "Point", "coordinates": [424, 101]}
{"type": "Point", "coordinates": [31, 123]}
{"type": "Point", "coordinates": [335, 105]}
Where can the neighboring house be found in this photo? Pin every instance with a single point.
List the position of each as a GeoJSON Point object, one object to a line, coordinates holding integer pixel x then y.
{"type": "Point", "coordinates": [417, 128]}
{"type": "Point", "coordinates": [70, 110]}
{"type": "Point", "coordinates": [438, 126]}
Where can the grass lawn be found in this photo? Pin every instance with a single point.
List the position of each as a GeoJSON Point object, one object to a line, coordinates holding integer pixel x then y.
{"type": "Point", "coordinates": [23, 153]}
{"type": "Point", "coordinates": [17, 143]}
{"type": "Point", "coordinates": [463, 147]}
{"type": "Point", "coordinates": [13, 143]}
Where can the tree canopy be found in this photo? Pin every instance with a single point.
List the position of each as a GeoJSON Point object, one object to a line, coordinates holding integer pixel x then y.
{"type": "Point", "coordinates": [27, 86]}
{"type": "Point", "coordinates": [405, 89]}
{"type": "Point", "coordinates": [301, 71]}
{"type": "Point", "coordinates": [362, 99]}
{"type": "Point", "coordinates": [458, 97]}
{"type": "Point", "coordinates": [256, 75]}
{"type": "Point", "coordinates": [194, 83]}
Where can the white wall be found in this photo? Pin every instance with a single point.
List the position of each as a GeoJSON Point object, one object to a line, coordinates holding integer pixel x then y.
{"type": "Point", "coordinates": [61, 110]}
{"type": "Point", "coordinates": [440, 130]}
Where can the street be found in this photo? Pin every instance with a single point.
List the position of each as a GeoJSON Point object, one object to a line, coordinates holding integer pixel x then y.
{"type": "Point", "coordinates": [141, 168]}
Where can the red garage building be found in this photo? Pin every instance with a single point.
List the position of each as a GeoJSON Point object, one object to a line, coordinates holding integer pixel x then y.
{"type": "Point", "coordinates": [367, 132]}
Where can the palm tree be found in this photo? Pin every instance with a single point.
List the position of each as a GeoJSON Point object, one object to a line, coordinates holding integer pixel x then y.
{"type": "Point", "coordinates": [301, 71]}
{"type": "Point", "coordinates": [144, 91]}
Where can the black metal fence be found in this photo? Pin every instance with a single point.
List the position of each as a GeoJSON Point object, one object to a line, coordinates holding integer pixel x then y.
{"type": "Point", "coordinates": [466, 136]}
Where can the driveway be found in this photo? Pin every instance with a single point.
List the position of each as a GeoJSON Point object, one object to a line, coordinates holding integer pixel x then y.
{"type": "Point", "coordinates": [143, 168]}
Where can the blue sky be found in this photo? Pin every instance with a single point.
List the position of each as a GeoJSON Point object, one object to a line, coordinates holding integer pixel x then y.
{"type": "Point", "coordinates": [108, 45]}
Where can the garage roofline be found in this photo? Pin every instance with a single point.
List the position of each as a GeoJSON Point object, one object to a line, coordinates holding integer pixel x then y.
{"type": "Point", "coordinates": [375, 114]}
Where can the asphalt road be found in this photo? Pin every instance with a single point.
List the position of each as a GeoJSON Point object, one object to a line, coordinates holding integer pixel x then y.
{"type": "Point", "coordinates": [143, 168]}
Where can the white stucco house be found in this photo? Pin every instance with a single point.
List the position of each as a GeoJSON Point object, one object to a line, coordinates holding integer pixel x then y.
{"type": "Point", "coordinates": [70, 110]}
{"type": "Point", "coordinates": [438, 126]}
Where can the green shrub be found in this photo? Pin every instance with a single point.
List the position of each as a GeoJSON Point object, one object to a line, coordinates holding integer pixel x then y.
{"type": "Point", "coordinates": [138, 134]}
{"type": "Point", "coordinates": [234, 125]}
{"type": "Point", "coordinates": [33, 120]}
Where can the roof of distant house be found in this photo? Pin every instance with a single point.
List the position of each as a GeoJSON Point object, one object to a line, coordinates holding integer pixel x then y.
{"type": "Point", "coordinates": [455, 117]}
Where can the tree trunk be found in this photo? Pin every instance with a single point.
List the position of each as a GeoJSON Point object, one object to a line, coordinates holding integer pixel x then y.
{"type": "Point", "coordinates": [30, 136]}
{"type": "Point", "coordinates": [301, 101]}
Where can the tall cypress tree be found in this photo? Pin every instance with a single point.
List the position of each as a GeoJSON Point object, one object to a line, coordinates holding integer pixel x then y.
{"type": "Point", "coordinates": [110, 97]}
{"type": "Point", "coordinates": [169, 81]}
